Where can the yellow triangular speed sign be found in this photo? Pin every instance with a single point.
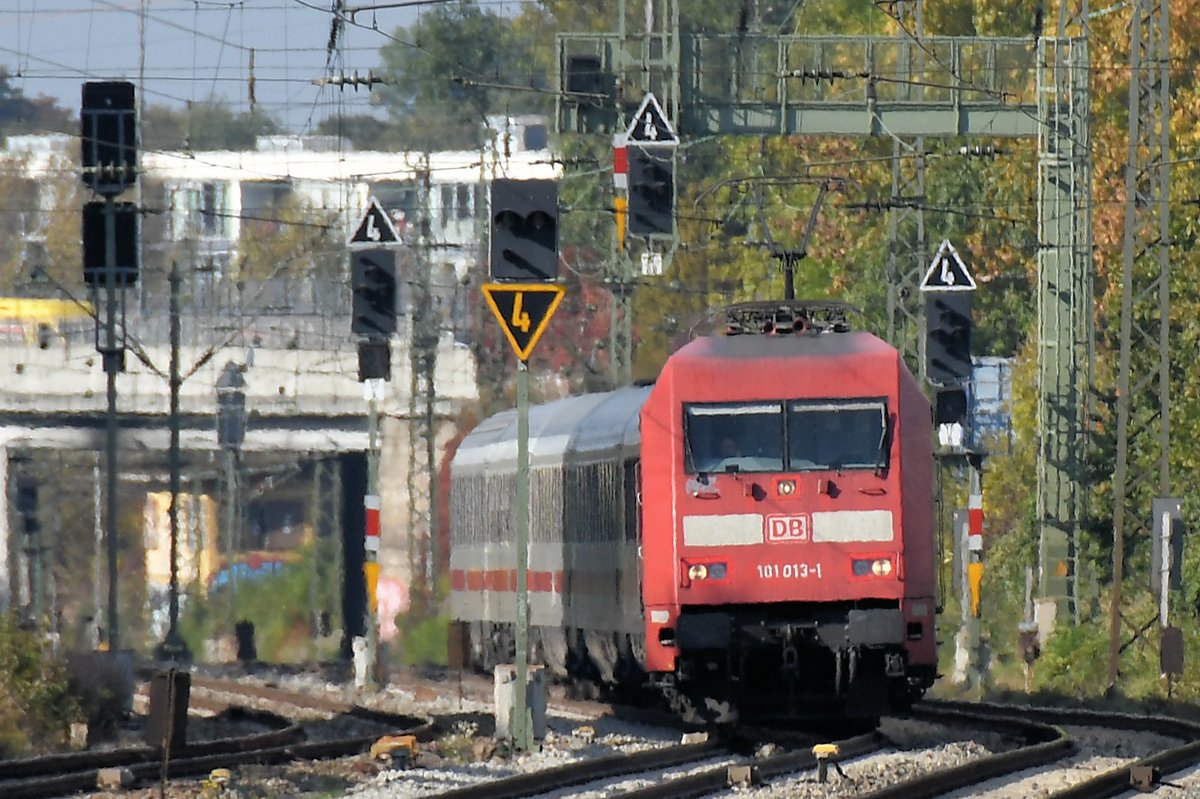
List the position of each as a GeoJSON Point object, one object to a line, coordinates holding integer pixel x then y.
{"type": "Point", "coordinates": [524, 311]}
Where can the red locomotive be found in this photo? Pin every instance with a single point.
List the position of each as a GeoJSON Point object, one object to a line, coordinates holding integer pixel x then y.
{"type": "Point", "coordinates": [753, 534]}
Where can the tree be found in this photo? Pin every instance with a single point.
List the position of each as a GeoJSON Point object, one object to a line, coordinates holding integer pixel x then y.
{"type": "Point", "coordinates": [39, 249]}
{"type": "Point", "coordinates": [452, 67]}
{"type": "Point", "coordinates": [206, 125]}
{"type": "Point", "coordinates": [19, 114]}
{"type": "Point", "coordinates": [365, 132]}
{"type": "Point", "coordinates": [293, 239]}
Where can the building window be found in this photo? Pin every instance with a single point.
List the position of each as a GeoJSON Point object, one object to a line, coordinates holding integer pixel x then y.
{"type": "Point", "coordinates": [536, 137]}
{"type": "Point", "coordinates": [198, 212]}
{"type": "Point", "coordinates": [463, 200]}
{"type": "Point", "coordinates": [260, 199]}
{"type": "Point", "coordinates": [210, 210]}
{"type": "Point", "coordinates": [400, 201]}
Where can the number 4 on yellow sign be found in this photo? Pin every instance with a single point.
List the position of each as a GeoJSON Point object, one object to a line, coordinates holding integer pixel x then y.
{"type": "Point", "coordinates": [524, 311]}
{"type": "Point", "coordinates": [520, 318]}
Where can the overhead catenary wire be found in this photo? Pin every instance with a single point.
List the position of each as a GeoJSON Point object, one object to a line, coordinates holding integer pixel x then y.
{"type": "Point", "coordinates": [222, 8]}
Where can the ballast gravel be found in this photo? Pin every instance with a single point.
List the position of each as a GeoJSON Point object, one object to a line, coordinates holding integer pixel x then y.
{"type": "Point", "coordinates": [466, 754]}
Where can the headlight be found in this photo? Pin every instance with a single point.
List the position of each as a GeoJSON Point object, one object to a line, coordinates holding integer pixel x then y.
{"type": "Point", "coordinates": [706, 571]}
{"type": "Point", "coordinates": [786, 487]}
{"type": "Point", "coordinates": [879, 567]}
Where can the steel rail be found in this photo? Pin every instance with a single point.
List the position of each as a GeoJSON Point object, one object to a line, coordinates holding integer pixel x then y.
{"type": "Point", "coordinates": [717, 779]}
{"type": "Point", "coordinates": [1120, 779]}
{"type": "Point", "coordinates": [573, 774]}
{"type": "Point", "coordinates": [48, 765]}
{"type": "Point", "coordinates": [1048, 744]}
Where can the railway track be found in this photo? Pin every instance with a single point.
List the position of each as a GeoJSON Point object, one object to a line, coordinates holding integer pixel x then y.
{"type": "Point", "coordinates": [1034, 741]}
{"type": "Point", "coordinates": [1038, 735]}
{"type": "Point", "coordinates": [286, 740]}
{"type": "Point", "coordinates": [1115, 781]}
{"type": "Point", "coordinates": [700, 783]}
{"type": "Point", "coordinates": [1048, 744]}
{"type": "Point", "coordinates": [57, 775]}
{"type": "Point", "coordinates": [1044, 742]}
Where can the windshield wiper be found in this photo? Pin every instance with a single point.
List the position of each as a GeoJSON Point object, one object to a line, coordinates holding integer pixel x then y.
{"type": "Point", "coordinates": [689, 458]}
{"type": "Point", "coordinates": [881, 458]}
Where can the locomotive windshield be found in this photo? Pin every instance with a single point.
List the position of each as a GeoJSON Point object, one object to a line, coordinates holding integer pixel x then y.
{"type": "Point", "coordinates": [764, 437]}
{"type": "Point", "coordinates": [836, 435]}
{"type": "Point", "coordinates": [742, 437]}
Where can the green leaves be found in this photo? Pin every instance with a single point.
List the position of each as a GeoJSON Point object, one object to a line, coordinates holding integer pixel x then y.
{"type": "Point", "coordinates": [204, 126]}
{"type": "Point", "coordinates": [35, 706]}
{"type": "Point", "coordinates": [456, 64]}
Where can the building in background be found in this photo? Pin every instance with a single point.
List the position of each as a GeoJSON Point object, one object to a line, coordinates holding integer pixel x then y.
{"type": "Point", "coordinates": [205, 209]}
{"type": "Point", "coordinates": [197, 556]}
{"type": "Point", "coordinates": [992, 402]}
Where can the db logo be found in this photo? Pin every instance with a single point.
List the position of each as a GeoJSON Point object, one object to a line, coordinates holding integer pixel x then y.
{"type": "Point", "coordinates": [787, 528]}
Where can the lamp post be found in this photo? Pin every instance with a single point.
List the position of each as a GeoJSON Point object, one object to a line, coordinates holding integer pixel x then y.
{"type": "Point", "coordinates": [231, 431]}
{"type": "Point", "coordinates": [173, 647]}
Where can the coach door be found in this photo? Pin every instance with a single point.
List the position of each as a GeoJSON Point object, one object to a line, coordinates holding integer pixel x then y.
{"type": "Point", "coordinates": [633, 520]}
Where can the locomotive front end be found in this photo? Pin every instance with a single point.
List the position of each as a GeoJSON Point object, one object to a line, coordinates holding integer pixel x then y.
{"type": "Point", "coordinates": [787, 528]}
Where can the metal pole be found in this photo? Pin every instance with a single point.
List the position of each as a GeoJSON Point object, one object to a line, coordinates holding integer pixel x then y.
{"type": "Point", "coordinates": [112, 365]}
{"type": "Point", "coordinates": [314, 605]}
{"type": "Point", "coordinates": [1164, 598]}
{"type": "Point", "coordinates": [1164, 574]}
{"type": "Point", "coordinates": [432, 564]}
{"type": "Point", "coordinates": [230, 518]}
{"type": "Point", "coordinates": [33, 550]}
{"type": "Point", "coordinates": [173, 646]}
{"type": "Point", "coordinates": [110, 452]}
{"type": "Point", "coordinates": [173, 452]}
{"type": "Point", "coordinates": [521, 725]}
{"type": "Point", "coordinates": [974, 555]}
{"type": "Point", "coordinates": [98, 532]}
{"type": "Point", "coordinates": [5, 531]}
{"type": "Point", "coordinates": [374, 389]}
{"type": "Point", "coordinates": [620, 331]}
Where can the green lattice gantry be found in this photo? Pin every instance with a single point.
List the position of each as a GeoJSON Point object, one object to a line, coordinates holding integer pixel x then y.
{"type": "Point", "coordinates": [898, 86]}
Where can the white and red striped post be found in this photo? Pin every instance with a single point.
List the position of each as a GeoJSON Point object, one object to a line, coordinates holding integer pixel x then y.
{"type": "Point", "coordinates": [975, 522]}
{"type": "Point", "coordinates": [373, 391]}
{"type": "Point", "coordinates": [620, 163]}
{"type": "Point", "coordinates": [620, 185]}
{"type": "Point", "coordinates": [371, 578]}
{"type": "Point", "coordinates": [975, 543]}
{"type": "Point", "coordinates": [371, 542]}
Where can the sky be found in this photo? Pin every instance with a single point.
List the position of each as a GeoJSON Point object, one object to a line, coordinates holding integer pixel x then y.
{"type": "Point", "coordinates": [196, 50]}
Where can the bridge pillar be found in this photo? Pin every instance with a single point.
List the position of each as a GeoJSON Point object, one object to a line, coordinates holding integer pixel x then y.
{"type": "Point", "coordinates": [409, 554]}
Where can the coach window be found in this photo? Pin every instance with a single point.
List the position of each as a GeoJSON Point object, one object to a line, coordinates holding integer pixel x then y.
{"type": "Point", "coordinates": [836, 435]}
{"type": "Point", "coordinates": [742, 437]}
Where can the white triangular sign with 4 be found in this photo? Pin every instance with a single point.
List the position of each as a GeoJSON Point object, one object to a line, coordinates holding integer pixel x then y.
{"type": "Point", "coordinates": [650, 124]}
{"type": "Point", "coordinates": [947, 272]}
{"type": "Point", "coordinates": [375, 228]}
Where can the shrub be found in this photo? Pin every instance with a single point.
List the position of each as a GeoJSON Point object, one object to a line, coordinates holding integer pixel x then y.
{"type": "Point", "coordinates": [36, 708]}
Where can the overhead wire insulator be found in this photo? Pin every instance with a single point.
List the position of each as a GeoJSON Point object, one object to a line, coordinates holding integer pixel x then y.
{"type": "Point", "coordinates": [981, 151]}
{"type": "Point", "coordinates": [353, 79]}
{"type": "Point", "coordinates": [817, 75]}
{"type": "Point", "coordinates": [868, 205]}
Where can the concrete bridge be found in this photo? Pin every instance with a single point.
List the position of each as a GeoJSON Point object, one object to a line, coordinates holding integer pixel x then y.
{"type": "Point", "coordinates": [303, 402]}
